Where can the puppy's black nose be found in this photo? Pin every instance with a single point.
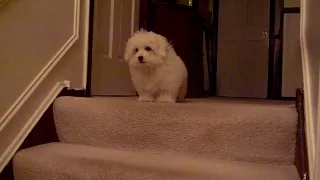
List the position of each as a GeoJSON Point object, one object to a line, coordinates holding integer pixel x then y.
{"type": "Point", "coordinates": [140, 58]}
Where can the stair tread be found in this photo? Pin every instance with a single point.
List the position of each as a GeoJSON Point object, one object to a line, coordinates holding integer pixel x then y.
{"type": "Point", "coordinates": [71, 161]}
{"type": "Point", "coordinates": [242, 130]}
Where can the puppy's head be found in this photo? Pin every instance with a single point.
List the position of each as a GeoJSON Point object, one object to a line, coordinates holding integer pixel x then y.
{"type": "Point", "coordinates": [146, 49]}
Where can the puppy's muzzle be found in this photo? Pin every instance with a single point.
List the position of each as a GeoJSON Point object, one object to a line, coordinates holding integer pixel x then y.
{"type": "Point", "coordinates": [140, 58]}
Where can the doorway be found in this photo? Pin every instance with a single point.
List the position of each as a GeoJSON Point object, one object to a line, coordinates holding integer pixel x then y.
{"type": "Point", "coordinates": [181, 23]}
{"type": "Point", "coordinates": [243, 48]}
{"type": "Point", "coordinates": [237, 53]}
{"type": "Point", "coordinates": [242, 55]}
{"type": "Point", "coordinates": [114, 21]}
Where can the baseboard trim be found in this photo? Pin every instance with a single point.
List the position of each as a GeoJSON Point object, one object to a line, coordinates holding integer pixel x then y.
{"type": "Point", "coordinates": [41, 76]}
{"type": "Point", "coordinates": [30, 124]}
{"type": "Point", "coordinates": [301, 156]}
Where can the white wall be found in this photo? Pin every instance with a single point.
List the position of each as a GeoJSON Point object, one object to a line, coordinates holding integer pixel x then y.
{"type": "Point", "coordinates": [309, 33]}
{"type": "Point", "coordinates": [292, 63]}
{"type": "Point", "coordinates": [42, 43]}
{"type": "Point", "coordinates": [291, 3]}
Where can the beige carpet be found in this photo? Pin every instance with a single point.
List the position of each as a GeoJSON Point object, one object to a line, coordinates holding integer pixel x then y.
{"type": "Point", "coordinates": [120, 138]}
{"type": "Point", "coordinates": [58, 161]}
{"type": "Point", "coordinates": [226, 129]}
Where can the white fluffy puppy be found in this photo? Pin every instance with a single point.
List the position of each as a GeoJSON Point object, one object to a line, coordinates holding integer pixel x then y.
{"type": "Point", "coordinates": [157, 72]}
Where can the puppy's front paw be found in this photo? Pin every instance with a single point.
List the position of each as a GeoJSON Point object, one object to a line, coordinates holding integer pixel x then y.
{"type": "Point", "coordinates": [146, 99]}
{"type": "Point", "coordinates": [166, 99]}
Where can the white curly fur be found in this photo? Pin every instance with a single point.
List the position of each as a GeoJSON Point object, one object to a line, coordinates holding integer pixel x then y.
{"type": "Point", "coordinates": [160, 75]}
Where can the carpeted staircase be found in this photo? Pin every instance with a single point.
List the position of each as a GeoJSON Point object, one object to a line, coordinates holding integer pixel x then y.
{"type": "Point", "coordinates": [202, 139]}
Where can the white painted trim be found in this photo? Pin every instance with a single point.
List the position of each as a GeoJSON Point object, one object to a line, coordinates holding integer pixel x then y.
{"type": "Point", "coordinates": [309, 129]}
{"type": "Point", "coordinates": [133, 15]}
{"type": "Point", "coordinates": [317, 150]}
{"type": "Point", "coordinates": [86, 8]}
{"type": "Point", "coordinates": [110, 53]}
{"type": "Point", "coordinates": [32, 121]}
{"type": "Point", "coordinates": [5, 119]}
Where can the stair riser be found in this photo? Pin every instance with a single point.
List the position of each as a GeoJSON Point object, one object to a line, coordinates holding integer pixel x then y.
{"type": "Point", "coordinates": [183, 131]}
{"type": "Point", "coordinates": [59, 161]}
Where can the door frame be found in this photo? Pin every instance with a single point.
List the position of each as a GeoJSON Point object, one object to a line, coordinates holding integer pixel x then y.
{"type": "Point", "coordinates": [271, 49]}
{"type": "Point", "coordinates": [145, 14]}
{"type": "Point", "coordinates": [283, 12]}
{"type": "Point", "coordinates": [90, 48]}
{"type": "Point", "coordinates": [272, 38]}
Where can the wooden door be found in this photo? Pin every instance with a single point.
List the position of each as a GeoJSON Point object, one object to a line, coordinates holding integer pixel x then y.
{"type": "Point", "coordinates": [114, 23]}
{"type": "Point", "coordinates": [243, 44]}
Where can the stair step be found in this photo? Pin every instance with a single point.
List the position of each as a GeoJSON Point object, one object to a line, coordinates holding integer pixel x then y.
{"type": "Point", "coordinates": [78, 162]}
{"type": "Point", "coordinates": [239, 130]}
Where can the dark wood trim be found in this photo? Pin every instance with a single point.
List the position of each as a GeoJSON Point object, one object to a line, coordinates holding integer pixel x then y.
{"type": "Point", "coordinates": [195, 5]}
{"type": "Point", "coordinates": [275, 93]}
{"type": "Point", "coordinates": [43, 132]}
{"type": "Point", "coordinates": [214, 63]}
{"type": "Point", "coordinates": [271, 57]}
{"type": "Point", "coordinates": [146, 13]}
{"type": "Point", "coordinates": [301, 156]}
{"type": "Point", "coordinates": [143, 14]}
{"type": "Point", "coordinates": [7, 172]}
{"type": "Point", "coordinates": [277, 86]}
{"type": "Point", "coordinates": [90, 45]}
{"type": "Point", "coordinates": [290, 10]}
{"type": "Point", "coordinates": [280, 59]}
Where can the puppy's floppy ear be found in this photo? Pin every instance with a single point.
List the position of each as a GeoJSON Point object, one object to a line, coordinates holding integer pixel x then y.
{"type": "Point", "coordinates": [163, 45]}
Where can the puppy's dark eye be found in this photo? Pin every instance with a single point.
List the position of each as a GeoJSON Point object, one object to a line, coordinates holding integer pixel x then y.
{"type": "Point", "coordinates": [147, 48]}
{"type": "Point", "coordinates": [136, 50]}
